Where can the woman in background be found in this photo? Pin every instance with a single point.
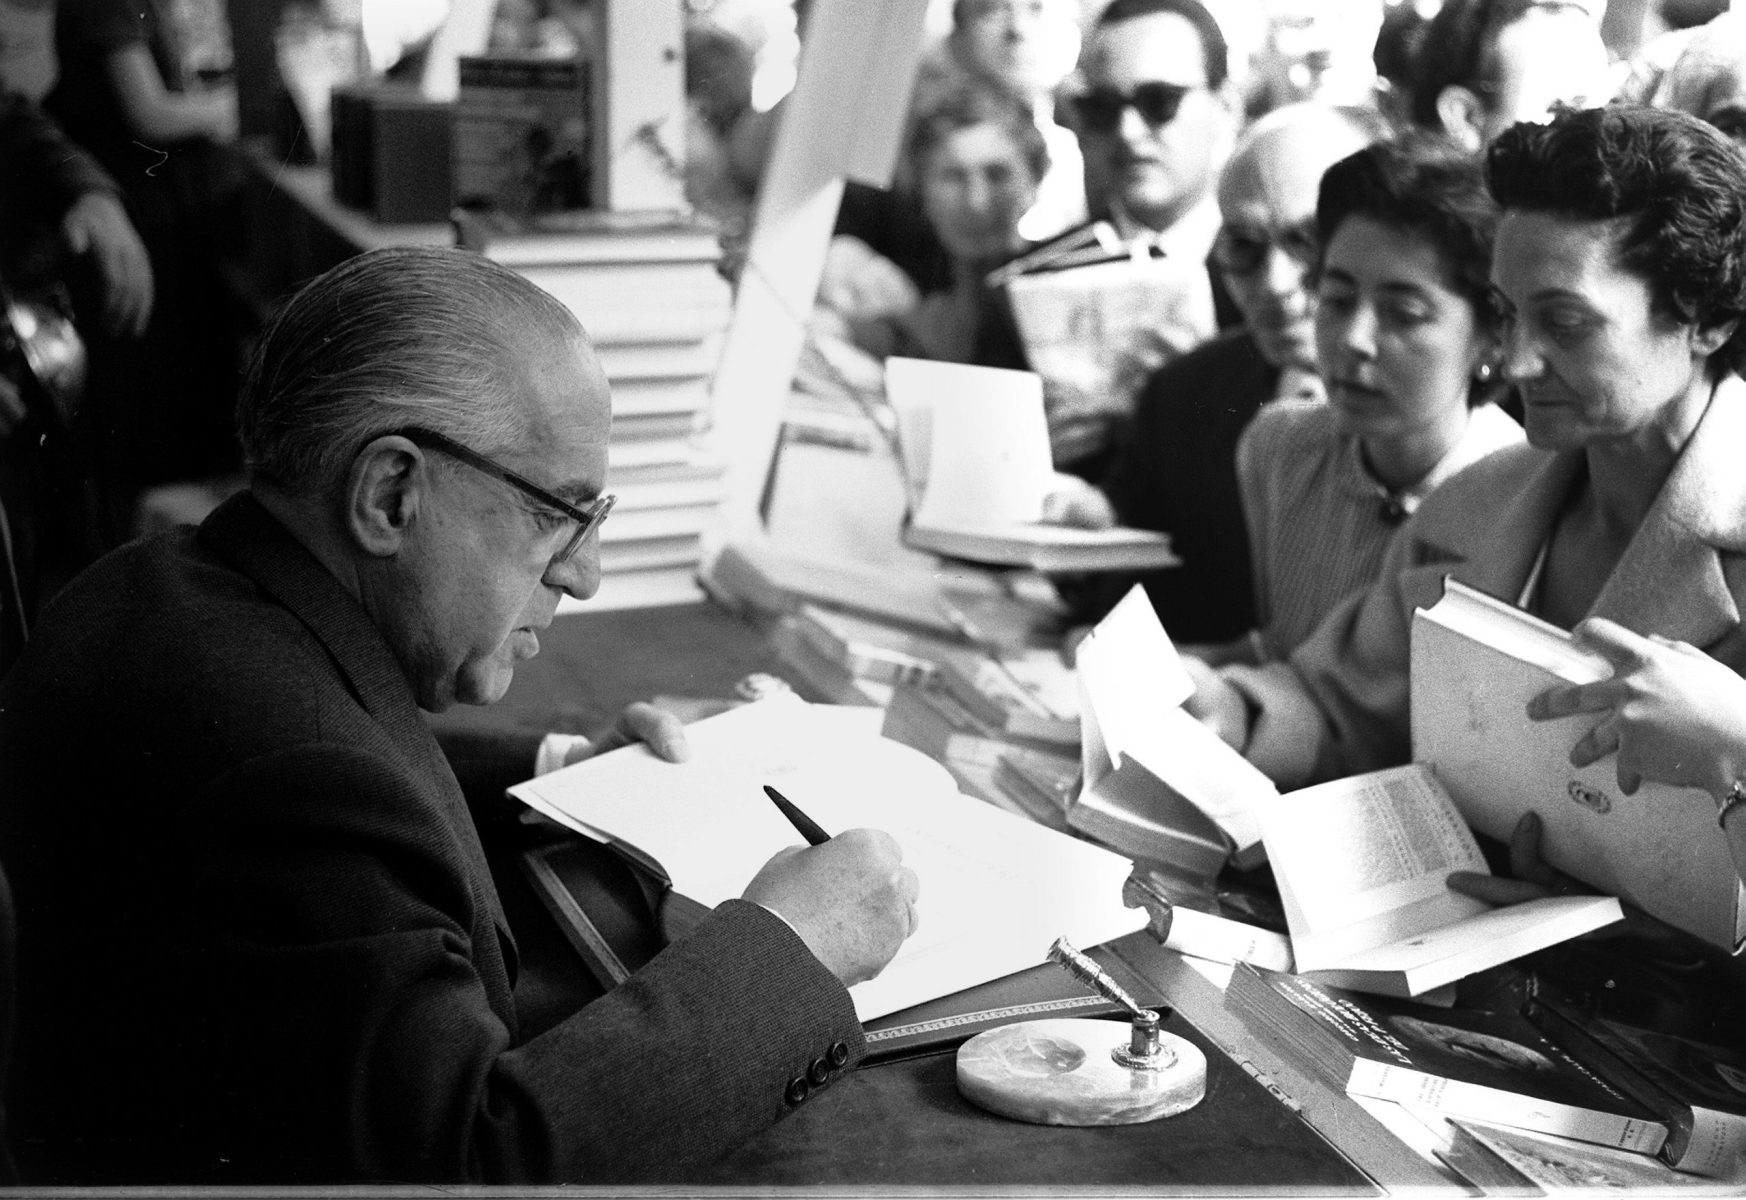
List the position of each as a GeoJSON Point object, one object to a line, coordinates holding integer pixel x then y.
{"type": "Point", "coordinates": [976, 158]}
{"type": "Point", "coordinates": [1407, 344]}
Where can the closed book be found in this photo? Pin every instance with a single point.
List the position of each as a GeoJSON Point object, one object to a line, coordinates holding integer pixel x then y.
{"type": "Point", "coordinates": [818, 675]}
{"type": "Point", "coordinates": [871, 649]}
{"type": "Point", "coordinates": [1030, 694]}
{"type": "Point", "coordinates": [523, 130]}
{"type": "Point", "coordinates": [666, 485]}
{"type": "Point", "coordinates": [1041, 782]}
{"type": "Point", "coordinates": [1457, 1062]}
{"type": "Point", "coordinates": [591, 235]}
{"type": "Point", "coordinates": [1048, 548]}
{"type": "Point", "coordinates": [1665, 1033]}
{"type": "Point", "coordinates": [1476, 662]}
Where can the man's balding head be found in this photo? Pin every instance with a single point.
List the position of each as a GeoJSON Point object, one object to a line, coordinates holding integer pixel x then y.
{"type": "Point", "coordinates": [1267, 198]}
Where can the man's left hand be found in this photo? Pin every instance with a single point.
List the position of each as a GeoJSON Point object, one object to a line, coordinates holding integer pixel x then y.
{"type": "Point", "coordinates": [661, 731]}
{"type": "Point", "coordinates": [97, 225]}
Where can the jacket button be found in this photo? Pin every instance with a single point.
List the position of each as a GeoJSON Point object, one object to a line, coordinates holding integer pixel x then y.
{"type": "Point", "coordinates": [797, 1091]}
{"type": "Point", "coordinates": [839, 1054]}
{"type": "Point", "coordinates": [818, 1073]}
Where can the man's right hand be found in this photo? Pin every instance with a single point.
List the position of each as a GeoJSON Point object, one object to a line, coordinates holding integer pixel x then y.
{"type": "Point", "coordinates": [851, 900]}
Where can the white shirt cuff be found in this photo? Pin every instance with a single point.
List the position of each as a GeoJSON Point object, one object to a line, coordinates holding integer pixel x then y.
{"type": "Point", "coordinates": [554, 748]}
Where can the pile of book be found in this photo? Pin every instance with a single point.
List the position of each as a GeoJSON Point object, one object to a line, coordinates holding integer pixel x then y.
{"type": "Point", "coordinates": [647, 290]}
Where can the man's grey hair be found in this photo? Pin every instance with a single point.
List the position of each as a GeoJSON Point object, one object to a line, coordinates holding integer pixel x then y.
{"type": "Point", "coordinates": [391, 338]}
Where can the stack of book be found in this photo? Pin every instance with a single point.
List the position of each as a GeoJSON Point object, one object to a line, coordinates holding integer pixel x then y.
{"type": "Point", "coordinates": [647, 290]}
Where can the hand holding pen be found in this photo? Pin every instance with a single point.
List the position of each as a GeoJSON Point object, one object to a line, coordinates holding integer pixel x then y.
{"type": "Point", "coordinates": [849, 897]}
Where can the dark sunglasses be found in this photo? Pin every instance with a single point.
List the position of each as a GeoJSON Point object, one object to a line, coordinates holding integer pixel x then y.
{"type": "Point", "coordinates": [1100, 109]}
{"type": "Point", "coordinates": [587, 519]}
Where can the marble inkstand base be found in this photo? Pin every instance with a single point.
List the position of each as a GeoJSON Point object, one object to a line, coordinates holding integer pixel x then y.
{"type": "Point", "coordinates": [1066, 1072]}
{"type": "Point", "coordinates": [1083, 1072]}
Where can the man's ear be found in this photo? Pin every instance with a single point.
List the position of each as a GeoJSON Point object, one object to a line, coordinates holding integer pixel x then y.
{"type": "Point", "coordinates": [1462, 115]}
{"type": "Point", "coordinates": [384, 489]}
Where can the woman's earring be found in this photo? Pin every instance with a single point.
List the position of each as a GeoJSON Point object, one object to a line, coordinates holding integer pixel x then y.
{"type": "Point", "coordinates": [1483, 372]}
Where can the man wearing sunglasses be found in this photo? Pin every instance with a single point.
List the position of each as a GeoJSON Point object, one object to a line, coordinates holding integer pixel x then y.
{"type": "Point", "coordinates": [1155, 114]}
{"type": "Point", "coordinates": [259, 939]}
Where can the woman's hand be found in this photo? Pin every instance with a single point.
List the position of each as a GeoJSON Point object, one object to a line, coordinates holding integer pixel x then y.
{"type": "Point", "coordinates": [1672, 713]}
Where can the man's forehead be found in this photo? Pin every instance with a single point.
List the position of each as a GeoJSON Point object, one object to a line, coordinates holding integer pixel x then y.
{"type": "Point", "coordinates": [1277, 175]}
{"type": "Point", "coordinates": [1158, 47]}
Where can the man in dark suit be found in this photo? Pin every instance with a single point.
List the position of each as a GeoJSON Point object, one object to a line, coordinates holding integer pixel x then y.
{"type": "Point", "coordinates": [1176, 473]}
{"type": "Point", "coordinates": [259, 938]}
{"type": "Point", "coordinates": [1155, 114]}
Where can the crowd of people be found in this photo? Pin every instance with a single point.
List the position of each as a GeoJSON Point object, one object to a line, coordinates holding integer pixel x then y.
{"type": "Point", "coordinates": [1456, 311]}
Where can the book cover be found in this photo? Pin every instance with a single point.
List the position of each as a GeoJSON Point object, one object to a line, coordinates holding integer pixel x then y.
{"type": "Point", "coordinates": [1476, 662]}
{"type": "Point", "coordinates": [522, 134]}
{"type": "Point", "coordinates": [1664, 1032]}
{"type": "Point", "coordinates": [1362, 865]}
{"type": "Point", "coordinates": [1563, 1166]}
{"type": "Point", "coordinates": [1458, 1062]}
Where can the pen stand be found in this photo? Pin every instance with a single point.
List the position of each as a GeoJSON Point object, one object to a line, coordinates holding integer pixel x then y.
{"type": "Point", "coordinates": [1083, 1072]}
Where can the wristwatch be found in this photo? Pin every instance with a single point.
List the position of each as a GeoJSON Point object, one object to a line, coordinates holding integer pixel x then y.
{"type": "Point", "coordinates": [1735, 798]}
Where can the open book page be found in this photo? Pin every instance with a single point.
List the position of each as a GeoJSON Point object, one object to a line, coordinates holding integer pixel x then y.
{"type": "Point", "coordinates": [1361, 862]}
{"type": "Point", "coordinates": [996, 890]}
{"type": "Point", "coordinates": [981, 434]}
{"type": "Point", "coordinates": [1476, 662]}
{"type": "Point", "coordinates": [1135, 683]}
{"type": "Point", "coordinates": [1085, 326]}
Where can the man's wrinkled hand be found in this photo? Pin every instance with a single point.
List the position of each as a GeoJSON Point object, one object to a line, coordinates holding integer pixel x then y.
{"type": "Point", "coordinates": [660, 730]}
{"type": "Point", "coordinates": [851, 900]}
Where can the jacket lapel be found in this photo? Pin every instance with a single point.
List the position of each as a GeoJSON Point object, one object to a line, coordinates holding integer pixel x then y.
{"type": "Point", "coordinates": [1673, 577]}
{"type": "Point", "coordinates": [260, 547]}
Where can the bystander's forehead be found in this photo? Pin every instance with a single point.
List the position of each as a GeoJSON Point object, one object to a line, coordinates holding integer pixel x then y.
{"type": "Point", "coordinates": [1156, 48]}
{"type": "Point", "coordinates": [1279, 172]}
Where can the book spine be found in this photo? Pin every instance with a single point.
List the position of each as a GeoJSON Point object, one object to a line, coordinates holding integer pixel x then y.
{"type": "Point", "coordinates": [1453, 1097]}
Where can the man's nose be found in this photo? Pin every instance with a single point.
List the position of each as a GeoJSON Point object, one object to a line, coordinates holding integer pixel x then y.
{"type": "Point", "coordinates": [578, 575]}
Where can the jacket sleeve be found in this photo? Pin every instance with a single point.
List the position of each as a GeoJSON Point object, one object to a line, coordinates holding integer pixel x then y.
{"type": "Point", "coordinates": [32, 147]}
{"type": "Point", "coordinates": [1339, 704]}
{"type": "Point", "coordinates": [363, 1040]}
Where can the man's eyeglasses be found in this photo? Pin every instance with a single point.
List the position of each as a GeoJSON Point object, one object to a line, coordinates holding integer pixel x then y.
{"type": "Point", "coordinates": [1100, 109]}
{"type": "Point", "coordinates": [1242, 249]}
{"type": "Point", "coordinates": [587, 519]}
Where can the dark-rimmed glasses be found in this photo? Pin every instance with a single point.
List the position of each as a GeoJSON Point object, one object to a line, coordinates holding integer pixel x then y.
{"type": "Point", "coordinates": [1099, 110]}
{"type": "Point", "coordinates": [1242, 249]}
{"type": "Point", "coordinates": [587, 519]}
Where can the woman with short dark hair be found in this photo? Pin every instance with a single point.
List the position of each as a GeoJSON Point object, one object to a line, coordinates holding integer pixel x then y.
{"type": "Point", "coordinates": [1406, 341]}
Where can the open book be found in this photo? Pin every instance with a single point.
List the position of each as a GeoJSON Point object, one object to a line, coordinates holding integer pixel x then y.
{"type": "Point", "coordinates": [1158, 784]}
{"type": "Point", "coordinates": [1361, 865]}
{"type": "Point", "coordinates": [996, 889]}
{"type": "Point", "coordinates": [1476, 662]}
{"type": "Point", "coordinates": [974, 446]}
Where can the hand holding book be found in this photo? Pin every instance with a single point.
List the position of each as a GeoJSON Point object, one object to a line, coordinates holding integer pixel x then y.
{"type": "Point", "coordinates": [1672, 713]}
